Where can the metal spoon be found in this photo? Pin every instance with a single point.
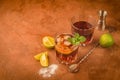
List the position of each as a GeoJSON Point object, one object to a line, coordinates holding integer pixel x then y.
{"type": "Point", "coordinates": [75, 67]}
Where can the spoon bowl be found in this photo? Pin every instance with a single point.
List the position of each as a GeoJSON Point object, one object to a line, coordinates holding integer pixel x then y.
{"type": "Point", "coordinates": [75, 67]}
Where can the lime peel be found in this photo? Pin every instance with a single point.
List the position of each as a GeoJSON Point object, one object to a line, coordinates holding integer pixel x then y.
{"type": "Point", "coordinates": [37, 57]}
{"type": "Point", "coordinates": [48, 41]}
{"type": "Point", "coordinates": [43, 58]}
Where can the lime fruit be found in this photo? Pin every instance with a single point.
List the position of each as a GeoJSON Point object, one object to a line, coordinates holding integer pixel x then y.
{"type": "Point", "coordinates": [37, 57]}
{"type": "Point", "coordinates": [106, 40]}
{"type": "Point", "coordinates": [48, 41]}
{"type": "Point", "coordinates": [44, 59]}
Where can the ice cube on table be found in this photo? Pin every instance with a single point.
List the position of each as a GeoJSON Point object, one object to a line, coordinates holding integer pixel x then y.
{"type": "Point", "coordinates": [43, 71]}
{"type": "Point", "coordinates": [47, 75]}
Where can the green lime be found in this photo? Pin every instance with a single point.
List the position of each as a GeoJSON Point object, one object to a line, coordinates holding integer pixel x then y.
{"type": "Point", "coordinates": [48, 41]}
{"type": "Point", "coordinates": [43, 58]}
{"type": "Point", "coordinates": [106, 40]}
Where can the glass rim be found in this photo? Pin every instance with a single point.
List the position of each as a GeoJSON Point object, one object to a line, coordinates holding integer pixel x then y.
{"type": "Point", "coordinates": [63, 34]}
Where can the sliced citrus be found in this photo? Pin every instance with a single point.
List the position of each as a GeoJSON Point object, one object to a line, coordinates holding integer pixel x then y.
{"type": "Point", "coordinates": [37, 57]}
{"type": "Point", "coordinates": [48, 42]}
{"type": "Point", "coordinates": [63, 49]}
{"type": "Point", "coordinates": [44, 59]}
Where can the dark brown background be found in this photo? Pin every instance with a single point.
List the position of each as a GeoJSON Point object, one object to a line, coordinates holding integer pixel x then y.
{"type": "Point", "coordinates": [23, 23]}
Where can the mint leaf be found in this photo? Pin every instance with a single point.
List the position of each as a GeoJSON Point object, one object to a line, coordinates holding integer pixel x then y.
{"type": "Point", "coordinates": [82, 39]}
{"type": "Point", "coordinates": [77, 39]}
{"type": "Point", "coordinates": [76, 35]}
{"type": "Point", "coordinates": [72, 40]}
{"type": "Point", "coordinates": [76, 43]}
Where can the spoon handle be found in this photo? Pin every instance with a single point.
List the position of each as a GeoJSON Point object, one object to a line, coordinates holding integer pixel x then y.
{"type": "Point", "coordinates": [90, 51]}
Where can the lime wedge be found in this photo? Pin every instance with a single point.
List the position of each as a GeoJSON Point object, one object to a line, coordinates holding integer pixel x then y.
{"type": "Point", "coordinates": [37, 57]}
{"type": "Point", "coordinates": [44, 59]}
{"type": "Point", "coordinates": [48, 42]}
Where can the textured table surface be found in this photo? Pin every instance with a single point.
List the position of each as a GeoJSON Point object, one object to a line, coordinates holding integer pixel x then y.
{"type": "Point", "coordinates": [23, 24]}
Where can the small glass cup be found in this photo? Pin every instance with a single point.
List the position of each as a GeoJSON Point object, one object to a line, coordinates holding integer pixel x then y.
{"type": "Point", "coordinates": [84, 26]}
{"type": "Point", "coordinates": [66, 53]}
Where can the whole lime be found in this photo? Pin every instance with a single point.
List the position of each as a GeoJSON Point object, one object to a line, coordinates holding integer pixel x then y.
{"type": "Point", "coordinates": [106, 40]}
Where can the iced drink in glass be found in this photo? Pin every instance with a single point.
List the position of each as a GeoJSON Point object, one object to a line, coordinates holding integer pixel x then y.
{"type": "Point", "coordinates": [66, 52]}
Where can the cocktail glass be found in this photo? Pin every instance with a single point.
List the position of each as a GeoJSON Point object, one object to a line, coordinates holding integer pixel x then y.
{"type": "Point", "coordinates": [84, 26]}
{"type": "Point", "coordinates": [66, 53]}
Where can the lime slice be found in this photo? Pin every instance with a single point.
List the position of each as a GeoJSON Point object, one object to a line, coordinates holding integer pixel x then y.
{"type": "Point", "coordinates": [44, 59]}
{"type": "Point", "coordinates": [48, 42]}
{"type": "Point", "coordinates": [63, 50]}
{"type": "Point", "coordinates": [37, 57]}
{"type": "Point", "coordinates": [106, 40]}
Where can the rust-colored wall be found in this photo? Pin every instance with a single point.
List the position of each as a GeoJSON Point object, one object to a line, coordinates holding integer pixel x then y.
{"type": "Point", "coordinates": [111, 5]}
{"type": "Point", "coordinates": [23, 23]}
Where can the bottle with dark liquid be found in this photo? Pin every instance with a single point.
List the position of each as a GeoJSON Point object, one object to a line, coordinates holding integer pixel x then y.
{"type": "Point", "coordinates": [84, 29]}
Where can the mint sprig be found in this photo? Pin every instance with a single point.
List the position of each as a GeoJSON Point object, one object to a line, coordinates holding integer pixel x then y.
{"type": "Point", "coordinates": [77, 39]}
